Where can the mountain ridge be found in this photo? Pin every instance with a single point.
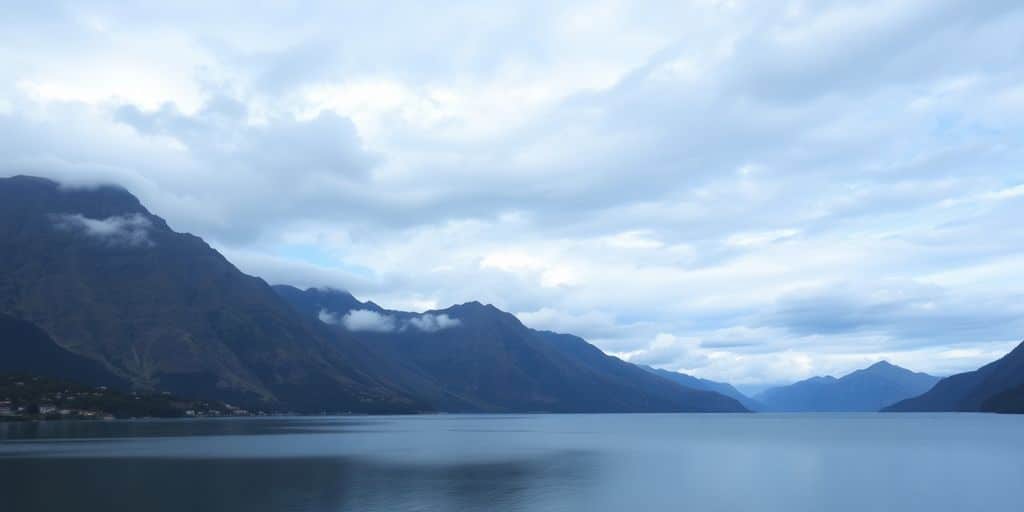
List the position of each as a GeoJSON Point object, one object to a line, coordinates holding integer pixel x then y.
{"type": "Point", "coordinates": [528, 370]}
{"type": "Point", "coordinates": [864, 390]}
{"type": "Point", "coordinates": [995, 387]}
{"type": "Point", "coordinates": [113, 286]}
{"type": "Point", "coordinates": [723, 388]}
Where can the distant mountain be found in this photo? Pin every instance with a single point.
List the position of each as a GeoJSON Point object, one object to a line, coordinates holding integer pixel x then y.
{"type": "Point", "coordinates": [476, 358]}
{"type": "Point", "coordinates": [868, 389]}
{"type": "Point", "coordinates": [107, 281]}
{"type": "Point", "coordinates": [723, 388]}
{"type": "Point", "coordinates": [995, 387]}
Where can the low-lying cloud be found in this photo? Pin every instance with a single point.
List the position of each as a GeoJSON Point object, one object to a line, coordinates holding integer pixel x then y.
{"type": "Point", "coordinates": [433, 323]}
{"type": "Point", "coordinates": [366, 320]}
{"type": "Point", "coordinates": [121, 230]}
{"type": "Point", "coordinates": [328, 318]}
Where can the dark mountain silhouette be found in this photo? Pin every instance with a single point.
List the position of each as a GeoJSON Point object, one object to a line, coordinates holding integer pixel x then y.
{"type": "Point", "coordinates": [995, 387]}
{"type": "Point", "coordinates": [868, 389]}
{"type": "Point", "coordinates": [478, 358]}
{"type": "Point", "coordinates": [1010, 401]}
{"type": "Point", "coordinates": [27, 350]}
{"type": "Point", "coordinates": [107, 280]}
{"type": "Point", "coordinates": [723, 388]}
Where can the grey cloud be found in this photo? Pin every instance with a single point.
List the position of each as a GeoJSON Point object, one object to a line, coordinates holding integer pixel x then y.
{"type": "Point", "coordinates": [911, 315]}
{"type": "Point", "coordinates": [850, 50]}
{"type": "Point", "coordinates": [872, 129]}
{"type": "Point", "coordinates": [650, 149]}
{"type": "Point", "coordinates": [222, 133]}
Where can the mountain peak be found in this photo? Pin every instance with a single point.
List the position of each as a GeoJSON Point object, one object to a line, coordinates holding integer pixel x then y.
{"type": "Point", "coordinates": [35, 195]}
{"type": "Point", "coordinates": [821, 378]}
{"type": "Point", "coordinates": [884, 365]}
{"type": "Point", "coordinates": [886, 368]}
{"type": "Point", "coordinates": [476, 312]}
{"type": "Point", "coordinates": [39, 182]}
{"type": "Point", "coordinates": [334, 300]}
{"type": "Point", "coordinates": [474, 306]}
{"type": "Point", "coordinates": [29, 180]}
{"type": "Point", "coordinates": [328, 291]}
{"type": "Point", "coordinates": [867, 389]}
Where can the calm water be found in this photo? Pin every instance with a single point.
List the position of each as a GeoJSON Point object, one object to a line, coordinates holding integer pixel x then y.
{"type": "Point", "coordinates": [856, 462]}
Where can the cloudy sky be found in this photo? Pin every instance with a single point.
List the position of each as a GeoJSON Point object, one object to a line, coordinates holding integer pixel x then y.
{"type": "Point", "coordinates": [749, 191]}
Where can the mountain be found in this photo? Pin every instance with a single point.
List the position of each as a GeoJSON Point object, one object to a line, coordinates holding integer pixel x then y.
{"type": "Point", "coordinates": [723, 388]}
{"type": "Point", "coordinates": [995, 387]}
{"type": "Point", "coordinates": [476, 358]}
{"type": "Point", "coordinates": [1009, 401]}
{"type": "Point", "coordinates": [101, 277]}
{"type": "Point", "coordinates": [94, 285]}
{"type": "Point", "coordinates": [868, 389]}
{"type": "Point", "coordinates": [27, 350]}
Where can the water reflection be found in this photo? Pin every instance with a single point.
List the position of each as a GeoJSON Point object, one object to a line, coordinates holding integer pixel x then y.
{"type": "Point", "coordinates": [834, 462]}
{"type": "Point", "coordinates": [167, 484]}
{"type": "Point", "coordinates": [182, 427]}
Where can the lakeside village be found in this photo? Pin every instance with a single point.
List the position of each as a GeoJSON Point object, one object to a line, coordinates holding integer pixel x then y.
{"type": "Point", "coordinates": [31, 398]}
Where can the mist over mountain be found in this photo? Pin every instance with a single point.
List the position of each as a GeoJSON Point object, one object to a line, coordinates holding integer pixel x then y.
{"type": "Point", "coordinates": [478, 358]}
{"type": "Point", "coordinates": [995, 387]}
{"type": "Point", "coordinates": [865, 390]}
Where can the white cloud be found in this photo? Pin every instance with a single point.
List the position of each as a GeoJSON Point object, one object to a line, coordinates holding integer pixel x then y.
{"type": "Point", "coordinates": [634, 240]}
{"type": "Point", "coordinates": [761, 238]}
{"type": "Point", "coordinates": [432, 323]}
{"type": "Point", "coordinates": [367, 320]}
{"type": "Point", "coordinates": [668, 350]}
{"type": "Point", "coordinates": [543, 273]}
{"type": "Point", "coordinates": [122, 230]}
{"type": "Point", "coordinates": [328, 318]}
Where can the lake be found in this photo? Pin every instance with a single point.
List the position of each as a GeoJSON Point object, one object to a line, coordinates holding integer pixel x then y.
{"type": "Point", "coordinates": [700, 462]}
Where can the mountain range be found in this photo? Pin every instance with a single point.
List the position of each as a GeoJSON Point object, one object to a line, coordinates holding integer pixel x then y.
{"type": "Point", "coordinates": [97, 289]}
{"type": "Point", "coordinates": [90, 279]}
{"type": "Point", "coordinates": [995, 387]}
{"type": "Point", "coordinates": [865, 390]}
{"type": "Point", "coordinates": [476, 358]}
